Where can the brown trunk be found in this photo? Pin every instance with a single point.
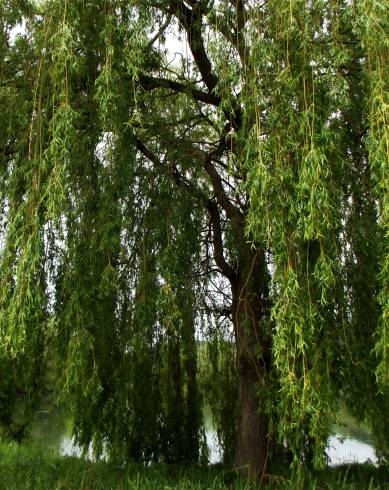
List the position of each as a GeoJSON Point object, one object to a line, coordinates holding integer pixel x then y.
{"type": "Point", "coordinates": [250, 295]}
{"type": "Point", "coordinates": [251, 442]}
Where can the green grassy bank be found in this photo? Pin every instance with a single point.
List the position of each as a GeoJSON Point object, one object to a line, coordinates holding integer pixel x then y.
{"type": "Point", "coordinates": [30, 466]}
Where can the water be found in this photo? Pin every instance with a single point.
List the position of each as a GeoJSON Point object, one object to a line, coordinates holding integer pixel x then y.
{"type": "Point", "coordinates": [343, 450]}
{"type": "Point", "coordinates": [349, 444]}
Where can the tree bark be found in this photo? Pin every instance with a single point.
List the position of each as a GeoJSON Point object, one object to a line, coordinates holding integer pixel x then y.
{"type": "Point", "coordinates": [249, 307]}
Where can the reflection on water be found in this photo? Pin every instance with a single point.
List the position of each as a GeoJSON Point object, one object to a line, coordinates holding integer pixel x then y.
{"type": "Point", "coordinates": [51, 426]}
{"type": "Point", "coordinates": [349, 444]}
{"type": "Point", "coordinates": [343, 450]}
{"type": "Point", "coordinates": [214, 449]}
{"type": "Point", "coordinates": [67, 447]}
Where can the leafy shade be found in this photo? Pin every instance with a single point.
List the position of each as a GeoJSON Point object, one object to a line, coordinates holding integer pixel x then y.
{"type": "Point", "coordinates": [194, 229]}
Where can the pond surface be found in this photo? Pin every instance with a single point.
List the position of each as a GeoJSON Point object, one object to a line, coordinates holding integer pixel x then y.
{"type": "Point", "coordinates": [350, 443]}
{"type": "Point", "coordinates": [341, 449]}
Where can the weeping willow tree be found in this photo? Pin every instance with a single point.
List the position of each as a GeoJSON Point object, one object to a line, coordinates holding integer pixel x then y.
{"type": "Point", "coordinates": [225, 205]}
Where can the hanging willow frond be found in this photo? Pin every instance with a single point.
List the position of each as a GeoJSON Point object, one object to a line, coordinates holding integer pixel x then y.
{"type": "Point", "coordinates": [201, 228]}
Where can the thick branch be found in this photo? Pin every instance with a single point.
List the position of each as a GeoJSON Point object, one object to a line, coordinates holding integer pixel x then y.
{"type": "Point", "coordinates": [210, 205]}
{"type": "Point", "coordinates": [191, 20]}
{"type": "Point", "coordinates": [218, 247]}
{"type": "Point", "coordinates": [222, 198]}
{"type": "Point", "coordinates": [240, 24]}
{"type": "Point", "coordinates": [160, 32]}
{"type": "Point", "coordinates": [174, 173]}
{"type": "Point", "coordinates": [219, 25]}
{"type": "Point", "coordinates": [231, 210]}
{"type": "Point", "coordinates": [151, 83]}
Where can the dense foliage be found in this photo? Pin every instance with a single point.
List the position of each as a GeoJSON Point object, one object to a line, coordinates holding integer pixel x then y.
{"type": "Point", "coordinates": [224, 206]}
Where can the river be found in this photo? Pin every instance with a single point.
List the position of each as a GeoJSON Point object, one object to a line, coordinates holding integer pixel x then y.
{"type": "Point", "coordinates": [349, 442]}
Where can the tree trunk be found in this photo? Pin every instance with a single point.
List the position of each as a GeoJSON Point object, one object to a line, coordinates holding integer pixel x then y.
{"type": "Point", "coordinates": [250, 297]}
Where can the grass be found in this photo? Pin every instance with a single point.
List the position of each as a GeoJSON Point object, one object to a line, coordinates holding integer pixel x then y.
{"type": "Point", "coordinates": [34, 467]}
